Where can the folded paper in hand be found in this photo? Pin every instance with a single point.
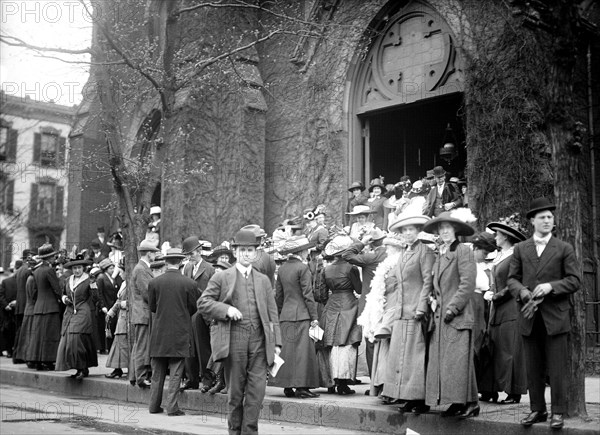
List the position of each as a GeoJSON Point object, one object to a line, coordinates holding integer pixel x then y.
{"type": "Point", "coordinates": [316, 333]}
{"type": "Point", "coordinates": [277, 363]}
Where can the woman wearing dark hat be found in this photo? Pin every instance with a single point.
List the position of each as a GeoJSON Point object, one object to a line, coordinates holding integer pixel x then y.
{"type": "Point", "coordinates": [450, 371]}
{"type": "Point", "coordinates": [507, 371]}
{"type": "Point", "coordinates": [357, 197]}
{"type": "Point", "coordinates": [76, 349]}
{"type": "Point", "coordinates": [375, 202]}
{"type": "Point", "coordinates": [297, 314]}
{"type": "Point", "coordinates": [341, 333]}
{"type": "Point", "coordinates": [221, 253]}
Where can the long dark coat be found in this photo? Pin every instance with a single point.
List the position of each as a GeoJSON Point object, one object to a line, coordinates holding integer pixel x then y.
{"type": "Point", "coordinates": [171, 296]}
{"type": "Point", "coordinates": [451, 371]}
{"type": "Point", "coordinates": [21, 275]}
{"type": "Point", "coordinates": [46, 323]}
{"type": "Point", "coordinates": [368, 262]}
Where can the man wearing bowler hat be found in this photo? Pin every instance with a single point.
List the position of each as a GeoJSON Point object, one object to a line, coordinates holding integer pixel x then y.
{"type": "Point", "coordinates": [172, 299]}
{"type": "Point", "coordinates": [200, 271]}
{"type": "Point", "coordinates": [245, 333]}
{"type": "Point", "coordinates": [443, 196]}
{"type": "Point", "coordinates": [140, 315]}
{"type": "Point", "coordinates": [543, 274]}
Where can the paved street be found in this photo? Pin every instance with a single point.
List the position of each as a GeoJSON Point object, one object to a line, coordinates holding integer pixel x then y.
{"type": "Point", "coordinates": [30, 411]}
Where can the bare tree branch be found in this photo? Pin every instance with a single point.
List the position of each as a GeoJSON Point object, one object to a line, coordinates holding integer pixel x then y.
{"type": "Point", "coordinates": [16, 42]}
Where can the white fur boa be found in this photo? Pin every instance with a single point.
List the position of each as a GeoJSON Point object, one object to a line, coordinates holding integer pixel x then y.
{"type": "Point", "coordinates": [372, 315]}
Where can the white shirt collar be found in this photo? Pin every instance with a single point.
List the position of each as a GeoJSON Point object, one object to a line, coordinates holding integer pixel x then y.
{"type": "Point", "coordinates": [546, 238]}
{"type": "Point", "coordinates": [244, 270]}
{"type": "Point", "coordinates": [76, 281]}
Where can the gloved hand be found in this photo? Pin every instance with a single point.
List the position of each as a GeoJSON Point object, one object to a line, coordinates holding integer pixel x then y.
{"type": "Point", "coordinates": [419, 316]}
{"type": "Point", "coordinates": [530, 308]}
{"type": "Point", "coordinates": [488, 295]}
{"type": "Point", "coordinates": [449, 316]}
{"type": "Point", "coordinates": [525, 295]}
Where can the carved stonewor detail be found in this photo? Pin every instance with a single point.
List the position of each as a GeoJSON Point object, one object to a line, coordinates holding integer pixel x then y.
{"type": "Point", "coordinates": [320, 13]}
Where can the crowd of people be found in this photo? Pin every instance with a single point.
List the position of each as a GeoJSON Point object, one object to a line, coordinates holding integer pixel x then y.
{"type": "Point", "coordinates": [447, 316]}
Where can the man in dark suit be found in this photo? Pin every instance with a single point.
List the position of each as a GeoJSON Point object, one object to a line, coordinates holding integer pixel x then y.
{"type": "Point", "coordinates": [200, 271]}
{"type": "Point", "coordinates": [8, 301]}
{"type": "Point", "coordinates": [245, 333]}
{"type": "Point", "coordinates": [262, 261]}
{"type": "Point", "coordinates": [108, 287]}
{"type": "Point", "coordinates": [442, 197]}
{"type": "Point", "coordinates": [21, 276]}
{"type": "Point", "coordinates": [140, 314]}
{"type": "Point", "coordinates": [543, 274]}
{"type": "Point", "coordinates": [368, 261]}
{"type": "Point", "coordinates": [172, 297]}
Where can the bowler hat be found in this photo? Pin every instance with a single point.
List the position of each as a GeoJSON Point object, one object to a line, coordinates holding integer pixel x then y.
{"type": "Point", "coordinates": [147, 245]}
{"type": "Point", "coordinates": [174, 253]}
{"type": "Point", "coordinates": [462, 228]}
{"type": "Point", "coordinates": [356, 185]}
{"type": "Point", "coordinates": [191, 244]}
{"type": "Point", "coordinates": [45, 251]}
{"type": "Point", "coordinates": [245, 238]}
{"type": "Point", "coordinates": [539, 204]}
{"type": "Point", "coordinates": [105, 264]}
{"type": "Point", "coordinates": [439, 171]}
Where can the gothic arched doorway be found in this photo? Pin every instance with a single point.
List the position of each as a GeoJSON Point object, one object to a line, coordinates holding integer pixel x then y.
{"type": "Point", "coordinates": [404, 95]}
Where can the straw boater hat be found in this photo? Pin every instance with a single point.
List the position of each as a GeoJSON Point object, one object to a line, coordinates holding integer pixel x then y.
{"type": "Point", "coordinates": [78, 261]}
{"type": "Point", "coordinates": [46, 251]}
{"type": "Point", "coordinates": [356, 185]}
{"type": "Point", "coordinates": [174, 253]}
{"type": "Point", "coordinates": [245, 238]}
{"type": "Point", "coordinates": [360, 209]}
{"type": "Point", "coordinates": [147, 245]}
{"type": "Point", "coordinates": [338, 244]}
{"type": "Point", "coordinates": [539, 204]}
{"type": "Point", "coordinates": [462, 228]}
{"type": "Point", "coordinates": [296, 244]}
{"type": "Point", "coordinates": [105, 264]}
{"type": "Point", "coordinates": [506, 230]}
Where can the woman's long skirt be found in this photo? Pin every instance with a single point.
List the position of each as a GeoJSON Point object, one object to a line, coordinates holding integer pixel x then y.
{"type": "Point", "coordinates": [76, 351]}
{"type": "Point", "coordinates": [26, 332]}
{"type": "Point", "coordinates": [379, 372]}
{"type": "Point", "coordinates": [118, 357]}
{"type": "Point", "coordinates": [343, 361]}
{"type": "Point", "coordinates": [300, 369]}
{"type": "Point", "coordinates": [508, 359]}
{"type": "Point", "coordinates": [45, 337]}
{"type": "Point", "coordinates": [406, 361]}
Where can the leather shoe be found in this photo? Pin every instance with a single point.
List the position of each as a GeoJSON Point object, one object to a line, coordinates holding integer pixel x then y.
{"type": "Point", "coordinates": [454, 410]}
{"type": "Point", "coordinates": [79, 376]}
{"type": "Point", "coordinates": [176, 413]}
{"type": "Point", "coordinates": [116, 373]}
{"type": "Point", "coordinates": [189, 386]}
{"type": "Point", "coordinates": [557, 421]}
{"type": "Point", "coordinates": [535, 417]}
{"type": "Point", "coordinates": [289, 392]}
{"type": "Point", "coordinates": [144, 384]}
{"type": "Point", "coordinates": [511, 399]}
{"type": "Point", "coordinates": [305, 393]}
{"type": "Point", "coordinates": [472, 410]}
{"type": "Point", "coordinates": [158, 411]}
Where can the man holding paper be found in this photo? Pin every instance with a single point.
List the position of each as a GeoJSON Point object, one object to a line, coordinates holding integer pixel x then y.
{"type": "Point", "coordinates": [245, 332]}
{"type": "Point", "coordinates": [298, 316]}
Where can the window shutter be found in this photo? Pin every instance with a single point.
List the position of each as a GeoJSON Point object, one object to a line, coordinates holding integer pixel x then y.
{"type": "Point", "coordinates": [11, 145]}
{"type": "Point", "coordinates": [60, 194]}
{"type": "Point", "coordinates": [33, 203]}
{"type": "Point", "coordinates": [9, 194]}
{"type": "Point", "coordinates": [37, 148]}
{"type": "Point", "coordinates": [62, 147]}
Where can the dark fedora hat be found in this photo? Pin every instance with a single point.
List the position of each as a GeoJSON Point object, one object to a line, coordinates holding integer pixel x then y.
{"type": "Point", "coordinates": [79, 260]}
{"type": "Point", "coordinates": [191, 244]}
{"type": "Point", "coordinates": [28, 253]}
{"type": "Point", "coordinates": [45, 251]}
{"type": "Point", "coordinates": [356, 185]}
{"type": "Point", "coordinates": [462, 228]}
{"type": "Point", "coordinates": [245, 238]}
{"type": "Point", "coordinates": [439, 171]}
{"type": "Point", "coordinates": [539, 204]}
{"type": "Point", "coordinates": [429, 175]}
{"type": "Point", "coordinates": [507, 230]}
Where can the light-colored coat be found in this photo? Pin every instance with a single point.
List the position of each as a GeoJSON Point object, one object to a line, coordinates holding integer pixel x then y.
{"type": "Point", "coordinates": [216, 300]}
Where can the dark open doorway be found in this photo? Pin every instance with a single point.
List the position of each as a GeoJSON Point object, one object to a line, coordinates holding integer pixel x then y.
{"type": "Point", "coordinates": [407, 140]}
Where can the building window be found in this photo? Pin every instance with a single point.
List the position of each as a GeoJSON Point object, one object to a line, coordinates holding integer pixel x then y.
{"type": "Point", "coordinates": [49, 148]}
{"type": "Point", "coordinates": [46, 204]}
{"type": "Point", "coordinates": [3, 143]}
{"type": "Point", "coordinates": [7, 193]}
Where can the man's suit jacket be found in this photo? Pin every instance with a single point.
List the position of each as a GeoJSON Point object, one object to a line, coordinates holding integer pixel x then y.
{"type": "Point", "coordinates": [140, 277]}
{"type": "Point", "coordinates": [558, 266]}
{"type": "Point", "coordinates": [48, 290]}
{"type": "Point", "coordinates": [449, 194]}
{"type": "Point", "coordinates": [202, 276]}
{"type": "Point", "coordinates": [8, 291]}
{"type": "Point", "coordinates": [172, 297]}
{"type": "Point", "coordinates": [21, 275]}
{"type": "Point", "coordinates": [107, 290]}
{"type": "Point", "coordinates": [216, 300]}
{"type": "Point", "coordinates": [265, 264]}
{"type": "Point", "coordinates": [368, 262]}
{"type": "Point", "coordinates": [294, 292]}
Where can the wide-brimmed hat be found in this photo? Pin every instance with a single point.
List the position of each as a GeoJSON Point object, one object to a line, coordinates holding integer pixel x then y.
{"type": "Point", "coordinates": [338, 244]}
{"type": "Point", "coordinates": [439, 171]}
{"type": "Point", "coordinates": [296, 244]}
{"type": "Point", "coordinates": [222, 264]}
{"type": "Point", "coordinates": [377, 182]}
{"type": "Point", "coordinates": [360, 209]}
{"type": "Point", "coordinates": [155, 210]}
{"type": "Point", "coordinates": [539, 204]}
{"type": "Point", "coordinates": [45, 251]}
{"type": "Point", "coordinates": [245, 238]}
{"type": "Point", "coordinates": [394, 239]}
{"type": "Point", "coordinates": [221, 250]}
{"type": "Point", "coordinates": [392, 202]}
{"type": "Point", "coordinates": [79, 260]}
{"type": "Point", "coordinates": [147, 245]}
{"type": "Point", "coordinates": [484, 241]}
{"type": "Point", "coordinates": [462, 228]}
{"type": "Point", "coordinates": [376, 234]}
{"type": "Point", "coordinates": [190, 244]}
{"type": "Point", "coordinates": [356, 185]}
{"type": "Point", "coordinates": [507, 230]}
{"type": "Point", "coordinates": [174, 253]}
{"type": "Point", "coordinates": [105, 264]}
{"type": "Point", "coordinates": [405, 219]}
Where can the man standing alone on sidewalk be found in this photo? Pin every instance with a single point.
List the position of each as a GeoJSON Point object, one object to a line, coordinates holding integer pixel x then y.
{"type": "Point", "coordinates": [543, 273]}
{"type": "Point", "coordinates": [171, 296]}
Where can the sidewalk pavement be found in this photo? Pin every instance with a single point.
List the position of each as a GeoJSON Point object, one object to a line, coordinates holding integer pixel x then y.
{"type": "Point", "coordinates": [356, 412]}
